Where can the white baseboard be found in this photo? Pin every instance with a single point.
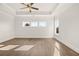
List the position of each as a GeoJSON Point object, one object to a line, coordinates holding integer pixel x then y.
{"type": "Point", "coordinates": [72, 47]}
{"type": "Point", "coordinates": [69, 45]}
{"type": "Point", "coordinates": [34, 37]}
{"type": "Point", "coordinates": [7, 39]}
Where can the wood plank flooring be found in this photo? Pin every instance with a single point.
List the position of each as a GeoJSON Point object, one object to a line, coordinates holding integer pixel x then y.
{"type": "Point", "coordinates": [41, 47]}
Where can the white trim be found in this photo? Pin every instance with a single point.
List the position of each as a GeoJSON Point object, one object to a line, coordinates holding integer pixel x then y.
{"type": "Point", "coordinates": [7, 39]}
{"type": "Point", "coordinates": [69, 45]}
{"type": "Point", "coordinates": [34, 37]}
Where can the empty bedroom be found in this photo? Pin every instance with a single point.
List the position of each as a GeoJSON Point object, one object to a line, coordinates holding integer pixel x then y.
{"type": "Point", "coordinates": [39, 29]}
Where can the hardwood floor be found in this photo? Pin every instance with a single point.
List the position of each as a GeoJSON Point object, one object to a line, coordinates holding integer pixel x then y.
{"type": "Point", "coordinates": [41, 47]}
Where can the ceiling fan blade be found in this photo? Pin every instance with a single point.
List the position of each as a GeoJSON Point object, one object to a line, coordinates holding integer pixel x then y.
{"type": "Point", "coordinates": [23, 4]}
{"type": "Point", "coordinates": [28, 5]}
{"type": "Point", "coordinates": [24, 8]}
{"type": "Point", "coordinates": [31, 4]}
{"type": "Point", "coordinates": [35, 8]}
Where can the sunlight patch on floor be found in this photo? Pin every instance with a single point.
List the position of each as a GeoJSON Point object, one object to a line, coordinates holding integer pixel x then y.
{"type": "Point", "coordinates": [57, 45]}
{"type": "Point", "coordinates": [57, 49]}
{"type": "Point", "coordinates": [8, 47]}
{"type": "Point", "coordinates": [24, 48]}
{"type": "Point", "coordinates": [1, 45]}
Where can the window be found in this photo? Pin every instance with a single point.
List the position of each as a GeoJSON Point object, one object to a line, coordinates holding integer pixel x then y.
{"type": "Point", "coordinates": [42, 24]}
{"type": "Point", "coordinates": [26, 24]}
{"type": "Point", "coordinates": [34, 24]}
{"type": "Point", "coordinates": [56, 26]}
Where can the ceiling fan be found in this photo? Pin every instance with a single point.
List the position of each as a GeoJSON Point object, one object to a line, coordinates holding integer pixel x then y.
{"type": "Point", "coordinates": [29, 6]}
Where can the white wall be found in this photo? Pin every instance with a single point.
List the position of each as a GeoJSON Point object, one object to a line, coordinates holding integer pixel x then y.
{"type": "Point", "coordinates": [38, 32]}
{"type": "Point", "coordinates": [69, 27]}
{"type": "Point", "coordinates": [6, 23]}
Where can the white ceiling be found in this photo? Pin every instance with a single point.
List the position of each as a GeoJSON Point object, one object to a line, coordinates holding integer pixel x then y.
{"type": "Point", "coordinates": [44, 8]}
